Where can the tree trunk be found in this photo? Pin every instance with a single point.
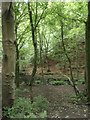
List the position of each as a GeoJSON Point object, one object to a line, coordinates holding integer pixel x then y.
{"type": "Point", "coordinates": [70, 67]}
{"type": "Point", "coordinates": [41, 53]}
{"type": "Point", "coordinates": [17, 57]}
{"type": "Point", "coordinates": [17, 67]}
{"type": "Point", "coordinates": [33, 30]}
{"type": "Point", "coordinates": [77, 63]}
{"type": "Point", "coordinates": [8, 63]}
{"type": "Point", "coordinates": [88, 52]}
{"type": "Point", "coordinates": [41, 61]}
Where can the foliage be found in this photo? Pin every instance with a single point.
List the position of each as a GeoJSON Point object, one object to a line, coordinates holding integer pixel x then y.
{"type": "Point", "coordinates": [73, 16]}
{"type": "Point", "coordinates": [40, 104]}
{"type": "Point", "coordinates": [23, 108]}
{"type": "Point", "coordinates": [64, 81]}
{"type": "Point", "coordinates": [81, 98]}
{"type": "Point", "coordinates": [38, 82]}
{"type": "Point", "coordinates": [58, 82]}
{"type": "Point", "coordinates": [81, 81]}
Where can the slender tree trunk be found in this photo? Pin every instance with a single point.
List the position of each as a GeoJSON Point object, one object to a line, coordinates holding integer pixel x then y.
{"type": "Point", "coordinates": [8, 65]}
{"type": "Point", "coordinates": [17, 58]}
{"type": "Point", "coordinates": [17, 67]}
{"type": "Point", "coordinates": [88, 52]}
{"type": "Point", "coordinates": [46, 55]}
{"type": "Point", "coordinates": [77, 63]}
{"type": "Point", "coordinates": [33, 30]}
{"type": "Point", "coordinates": [72, 79]}
{"type": "Point", "coordinates": [41, 61]}
{"type": "Point", "coordinates": [41, 54]}
{"type": "Point", "coordinates": [41, 51]}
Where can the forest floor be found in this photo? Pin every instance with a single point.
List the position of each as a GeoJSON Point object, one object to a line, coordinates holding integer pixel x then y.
{"type": "Point", "coordinates": [62, 101]}
{"type": "Point", "coordinates": [60, 97]}
{"type": "Point", "coordinates": [61, 105]}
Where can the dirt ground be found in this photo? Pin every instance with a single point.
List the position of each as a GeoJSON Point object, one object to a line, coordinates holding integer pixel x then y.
{"type": "Point", "coordinates": [60, 102]}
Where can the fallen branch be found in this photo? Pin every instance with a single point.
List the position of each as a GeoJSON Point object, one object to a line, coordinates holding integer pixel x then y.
{"type": "Point", "coordinates": [71, 83]}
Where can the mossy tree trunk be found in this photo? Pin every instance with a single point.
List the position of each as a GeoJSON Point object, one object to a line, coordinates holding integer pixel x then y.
{"type": "Point", "coordinates": [8, 63]}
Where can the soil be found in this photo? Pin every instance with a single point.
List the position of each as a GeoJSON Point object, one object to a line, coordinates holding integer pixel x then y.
{"type": "Point", "coordinates": [60, 103]}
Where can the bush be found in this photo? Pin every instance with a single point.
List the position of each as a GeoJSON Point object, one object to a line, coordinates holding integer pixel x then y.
{"type": "Point", "coordinates": [23, 108]}
{"type": "Point", "coordinates": [40, 104]}
{"type": "Point", "coordinates": [80, 98]}
{"type": "Point", "coordinates": [81, 81]}
{"type": "Point", "coordinates": [58, 82]}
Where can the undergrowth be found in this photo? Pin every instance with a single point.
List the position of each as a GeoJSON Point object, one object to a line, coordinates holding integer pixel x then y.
{"type": "Point", "coordinates": [81, 98]}
{"type": "Point", "coordinates": [23, 108]}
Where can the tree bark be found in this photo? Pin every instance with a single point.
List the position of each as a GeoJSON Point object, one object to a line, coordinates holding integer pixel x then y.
{"type": "Point", "coordinates": [70, 67]}
{"type": "Point", "coordinates": [17, 67]}
{"type": "Point", "coordinates": [8, 62]}
{"type": "Point", "coordinates": [33, 30]}
{"type": "Point", "coordinates": [17, 57]}
{"type": "Point", "coordinates": [41, 51]}
{"type": "Point", "coordinates": [88, 52]}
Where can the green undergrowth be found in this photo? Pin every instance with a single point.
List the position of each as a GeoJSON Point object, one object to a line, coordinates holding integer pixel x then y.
{"type": "Point", "coordinates": [23, 108]}
{"type": "Point", "coordinates": [58, 82]}
{"type": "Point", "coordinates": [81, 98]}
{"type": "Point", "coordinates": [66, 82]}
{"type": "Point", "coordinates": [81, 81]}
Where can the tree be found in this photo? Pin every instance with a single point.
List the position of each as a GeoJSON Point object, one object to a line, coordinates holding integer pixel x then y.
{"type": "Point", "coordinates": [88, 52]}
{"type": "Point", "coordinates": [70, 67]}
{"type": "Point", "coordinates": [34, 39]}
{"type": "Point", "coordinates": [34, 21]}
{"type": "Point", "coordinates": [20, 15]}
{"type": "Point", "coordinates": [8, 65]}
